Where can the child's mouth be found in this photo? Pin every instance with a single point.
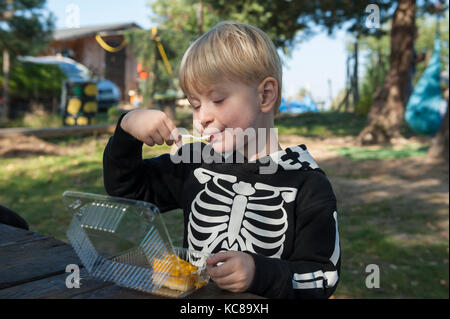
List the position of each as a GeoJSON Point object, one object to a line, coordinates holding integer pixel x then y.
{"type": "Point", "coordinates": [216, 136]}
{"type": "Point", "coordinates": [213, 133]}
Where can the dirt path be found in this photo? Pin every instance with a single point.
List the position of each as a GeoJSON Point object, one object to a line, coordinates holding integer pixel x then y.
{"type": "Point", "coordinates": [22, 146]}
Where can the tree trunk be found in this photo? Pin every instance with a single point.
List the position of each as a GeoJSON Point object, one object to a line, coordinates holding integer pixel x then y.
{"type": "Point", "coordinates": [439, 146]}
{"type": "Point", "coordinates": [355, 76]}
{"type": "Point", "coordinates": [5, 107]}
{"type": "Point", "coordinates": [200, 18]}
{"type": "Point", "coordinates": [386, 114]}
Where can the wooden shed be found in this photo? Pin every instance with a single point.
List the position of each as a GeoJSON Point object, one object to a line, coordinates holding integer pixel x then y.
{"type": "Point", "coordinates": [84, 46]}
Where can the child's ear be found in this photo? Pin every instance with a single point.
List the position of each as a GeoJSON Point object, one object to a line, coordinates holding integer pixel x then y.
{"type": "Point", "coordinates": [268, 94]}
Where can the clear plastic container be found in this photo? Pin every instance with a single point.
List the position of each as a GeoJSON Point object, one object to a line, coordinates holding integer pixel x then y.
{"type": "Point", "coordinates": [126, 242]}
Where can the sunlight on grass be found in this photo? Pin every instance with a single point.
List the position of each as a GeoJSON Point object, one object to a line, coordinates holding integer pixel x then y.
{"type": "Point", "coordinates": [320, 124]}
{"type": "Point", "coordinates": [381, 153]}
{"type": "Point", "coordinates": [408, 269]}
{"type": "Point", "coordinates": [33, 186]}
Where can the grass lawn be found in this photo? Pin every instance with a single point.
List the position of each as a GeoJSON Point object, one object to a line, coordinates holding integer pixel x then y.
{"type": "Point", "coordinates": [384, 232]}
{"type": "Point", "coordinates": [381, 153]}
{"type": "Point", "coordinates": [320, 124]}
{"type": "Point", "coordinates": [395, 238]}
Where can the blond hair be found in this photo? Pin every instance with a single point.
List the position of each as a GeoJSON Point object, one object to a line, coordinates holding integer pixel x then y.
{"type": "Point", "coordinates": [231, 50]}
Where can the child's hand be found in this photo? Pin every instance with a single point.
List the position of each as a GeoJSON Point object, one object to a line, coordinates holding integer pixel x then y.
{"type": "Point", "coordinates": [236, 271]}
{"type": "Point", "coordinates": [150, 126]}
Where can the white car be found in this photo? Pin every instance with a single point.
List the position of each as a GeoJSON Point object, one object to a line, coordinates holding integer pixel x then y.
{"type": "Point", "coordinates": [108, 93]}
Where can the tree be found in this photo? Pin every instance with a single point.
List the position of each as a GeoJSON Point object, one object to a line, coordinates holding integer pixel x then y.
{"type": "Point", "coordinates": [426, 27]}
{"type": "Point", "coordinates": [438, 150]}
{"type": "Point", "coordinates": [289, 22]}
{"type": "Point", "coordinates": [183, 16]}
{"type": "Point", "coordinates": [162, 82]}
{"type": "Point", "coordinates": [386, 114]}
{"type": "Point", "coordinates": [177, 24]}
{"type": "Point", "coordinates": [376, 53]}
{"type": "Point", "coordinates": [290, 17]}
{"type": "Point", "coordinates": [25, 29]}
{"type": "Point", "coordinates": [286, 22]}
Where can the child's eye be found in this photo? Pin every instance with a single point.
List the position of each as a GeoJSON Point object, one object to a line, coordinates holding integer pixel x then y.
{"type": "Point", "coordinates": [219, 101]}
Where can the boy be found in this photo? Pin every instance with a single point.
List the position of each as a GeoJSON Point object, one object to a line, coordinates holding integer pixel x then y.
{"type": "Point", "coordinates": [272, 234]}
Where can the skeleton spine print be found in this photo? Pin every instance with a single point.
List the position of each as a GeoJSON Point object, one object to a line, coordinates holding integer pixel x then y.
{"type": "Point", "coordinates": [229, 214]}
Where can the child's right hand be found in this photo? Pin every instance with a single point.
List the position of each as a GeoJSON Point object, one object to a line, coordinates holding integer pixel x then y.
{"type": "Point", "coordinates": [150, 126]}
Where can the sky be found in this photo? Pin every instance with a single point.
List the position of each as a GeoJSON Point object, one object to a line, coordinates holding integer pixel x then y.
{"type": "Point", "coordinates": [312, 63]}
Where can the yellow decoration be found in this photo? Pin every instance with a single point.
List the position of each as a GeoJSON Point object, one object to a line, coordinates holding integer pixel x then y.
{"type": "Point", "coordinates": [161, 50]}
{"type": "Point", "coordinates": [164, 57]}
{"type": "Point", "coordinates": [74, 106]}
{"type": "Point", "coordinates": [82, 120]}
{"type": "Point", "coordinates": [70, 121]}
{"type": "Point", "coordinates": [109, 48]}
{"type": "Point", "coordinates": [91, 90]}
{"type": "Point", "coordinates": [90, 107]}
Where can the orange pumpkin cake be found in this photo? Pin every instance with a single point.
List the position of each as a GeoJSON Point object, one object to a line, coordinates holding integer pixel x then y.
{"type": "Point", "coordinates": [182, 274]}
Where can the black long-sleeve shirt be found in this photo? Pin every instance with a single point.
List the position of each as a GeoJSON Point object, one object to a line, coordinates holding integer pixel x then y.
{"type": "Point", "coordinates": [286, 219]}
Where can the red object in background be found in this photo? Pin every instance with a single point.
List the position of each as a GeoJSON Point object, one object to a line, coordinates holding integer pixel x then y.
{"type": "Point", "coordinates": [142, 74]}
{"type": "Point", "coordinates": [139, 68]}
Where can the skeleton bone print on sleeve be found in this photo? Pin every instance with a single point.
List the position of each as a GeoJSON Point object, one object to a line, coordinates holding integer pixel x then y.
{"type": "Point", "coordinates": [234, 215]}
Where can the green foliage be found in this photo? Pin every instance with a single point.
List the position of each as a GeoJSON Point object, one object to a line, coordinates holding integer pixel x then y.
{"type": "Point", "coordinates": [377, 52]}
{"type": "Point", "coordinates": [28, 30]}
{"type": "Point", "coordinates": [281, 20]}
{"type": "Point", "coordinates": [147, 53]}
{"type": "Point", "coordinates": [425, 42]}
{"type": "Point", "coordinates": [30, 81]}
{"type": "Point", "coordinates": [181, 16]}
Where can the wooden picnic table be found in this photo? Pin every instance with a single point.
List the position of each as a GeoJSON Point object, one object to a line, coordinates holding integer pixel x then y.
{"type": "Point", "coordinates": [34, 266]}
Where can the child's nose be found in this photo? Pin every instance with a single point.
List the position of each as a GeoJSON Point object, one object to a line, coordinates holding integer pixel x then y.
{"type": "Point", "coordinates": [205, 116]}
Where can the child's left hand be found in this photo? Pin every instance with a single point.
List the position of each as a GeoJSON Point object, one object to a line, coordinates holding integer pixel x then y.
{"type": "Point", "coordinates": [236, 271]}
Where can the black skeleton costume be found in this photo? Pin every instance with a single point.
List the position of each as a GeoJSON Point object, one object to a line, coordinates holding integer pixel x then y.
{"type": "Point", "coordinates": [287, 220]}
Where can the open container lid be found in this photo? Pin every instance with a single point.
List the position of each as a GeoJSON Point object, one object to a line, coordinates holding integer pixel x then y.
{"type": "Point", "coordinates": [117, 239]}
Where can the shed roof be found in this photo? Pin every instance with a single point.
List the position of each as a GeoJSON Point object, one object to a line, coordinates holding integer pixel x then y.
{"type": "Point", "coordinates": [75, 33]}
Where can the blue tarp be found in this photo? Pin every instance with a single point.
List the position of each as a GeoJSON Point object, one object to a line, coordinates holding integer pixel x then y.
{"type": "Point", "coordinates": [423, 111]}
{"type": "Point", "coordinates": [306, 105]}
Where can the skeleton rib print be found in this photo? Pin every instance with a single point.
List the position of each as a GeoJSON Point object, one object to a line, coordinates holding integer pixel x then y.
{"type": "Point", "coordinates": [235, 215]}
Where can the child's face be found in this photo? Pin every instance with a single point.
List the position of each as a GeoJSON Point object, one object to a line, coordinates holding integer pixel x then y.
{"type": "Point", "coordinates": [228, 105]}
